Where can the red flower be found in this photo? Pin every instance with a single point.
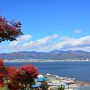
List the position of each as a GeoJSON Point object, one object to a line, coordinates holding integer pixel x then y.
{"type": "Point", "coordinates": [3, 68]}
{"type": "Point", "coordinates": [26, 74]}
{"type": "Point", "coordinates": [1, 61]}
{"type": "Point", "coordinates": [1, 75]}
{"type": "Point", "coordinates": [30, 69]}
{"type": "Point", "coordinates": [11, 70]}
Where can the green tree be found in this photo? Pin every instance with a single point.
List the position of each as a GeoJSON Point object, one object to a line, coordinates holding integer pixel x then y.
{"type": "Point", "coordinates": [61, 87]}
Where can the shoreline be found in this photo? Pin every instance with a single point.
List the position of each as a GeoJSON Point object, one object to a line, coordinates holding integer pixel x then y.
{"type": "Point", "coordinates": [45, 60]}
{"type": "Point", "coordinates": [54, 81]}
{"type": "Point", "coordinates": [83, 83]}
{"type": "Point", "coordinates": [69, 78]}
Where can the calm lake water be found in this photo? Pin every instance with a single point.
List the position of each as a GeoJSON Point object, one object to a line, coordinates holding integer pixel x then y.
{"type": "Point", "coordinates": [79, 70]}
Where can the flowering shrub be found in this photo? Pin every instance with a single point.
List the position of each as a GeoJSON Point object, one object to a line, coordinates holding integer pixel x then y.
{"type": "Point", "coordinates": [27, 74]}
{"type": "Point", "coordinates": [1, 61]}
{"type": "Point", "coordinates": [17, 78]}
{"type": "Point", "coordinates": [12, 71]}
{"type": "Point", "coordinates": [30, 69]}
{"type": "Point", "coordinates": [3, 72]}
{"type": "Point", "coordinates": [20, 78]}
{"type": "Point", "coordinates": [9, 30]}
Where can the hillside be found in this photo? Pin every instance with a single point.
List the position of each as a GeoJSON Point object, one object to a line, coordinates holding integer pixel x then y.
{"type": "Point", "coordinates": [58, 55]}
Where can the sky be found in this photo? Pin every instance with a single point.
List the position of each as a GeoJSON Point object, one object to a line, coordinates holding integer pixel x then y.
{"type": "Point", "coordinates": [48, 25]}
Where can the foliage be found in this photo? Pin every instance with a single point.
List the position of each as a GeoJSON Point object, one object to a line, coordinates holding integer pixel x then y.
{"type": "Point", "coordinates": [11, 73]}
{"type": "Point", "coordinates": [12, 70]}
{"type": "Point", "coordinates": [44, 85]}
{"type": "Point", "coordinates": [26, 74]}
{"type": "Point", "coordinates": [17, 78]}
{"type": "Point", "coordinates": [3, 71]}
{"type": "Point", "coordinates": [23, 76]}
{"type": "Point", "coordinates": [61, 87]}
{"type": "Point", "coordinates": [9, 30]}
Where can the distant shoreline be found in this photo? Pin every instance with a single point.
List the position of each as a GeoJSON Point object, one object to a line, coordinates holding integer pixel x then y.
{"type": "Point", "coordinates": [45, 60]}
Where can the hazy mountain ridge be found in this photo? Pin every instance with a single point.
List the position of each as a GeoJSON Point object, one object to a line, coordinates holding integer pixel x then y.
{"type": "Point", "coordinates": [58, 55]}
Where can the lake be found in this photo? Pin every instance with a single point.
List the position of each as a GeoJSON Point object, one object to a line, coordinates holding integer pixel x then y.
{"type": "Point", "coordinates": [78, 70]}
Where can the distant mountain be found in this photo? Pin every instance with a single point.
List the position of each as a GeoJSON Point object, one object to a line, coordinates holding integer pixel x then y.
{"type": "Point", "coordinates": [58, 55]}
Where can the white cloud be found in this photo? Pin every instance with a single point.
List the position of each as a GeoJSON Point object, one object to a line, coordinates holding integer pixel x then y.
{"type": "Point", "coordinates": [52, 42]}
{"type": "Point", "coordinates": [77, 31]}
{"type": "Point", "coordinates": [40, 44]}
{"type": "Point", "coordinates": [16, 45]}
{"type": "Point", "coordinates": [72, 43]}
{"type": "Point", "coordinates": [23, 38]}
{"type": "Point", "coordinates": [36, 45]}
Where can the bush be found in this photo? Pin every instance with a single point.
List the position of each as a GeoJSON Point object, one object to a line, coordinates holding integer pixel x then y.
{"type": "Point", "coordinates": [61, 87]}
{"type": "Point", "coordinates": [17, 78]}
{"type": "Point", "coordinates": [44, 85]}
{"type": "Point", "coordinates": [26, 75]}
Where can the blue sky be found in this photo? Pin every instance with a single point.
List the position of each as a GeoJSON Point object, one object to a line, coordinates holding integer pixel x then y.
{"type": "Point", "coordinates": [48, 24]}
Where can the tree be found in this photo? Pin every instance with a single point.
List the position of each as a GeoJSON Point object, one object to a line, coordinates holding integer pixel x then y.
{"type": "Point", "coordinates": [26, 75]}
{"type": "Point", "coordinates": [9, 30]}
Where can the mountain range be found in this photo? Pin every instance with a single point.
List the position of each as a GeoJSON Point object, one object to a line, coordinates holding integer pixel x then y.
{"type": "Point", "coordinates": [53, 55]}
